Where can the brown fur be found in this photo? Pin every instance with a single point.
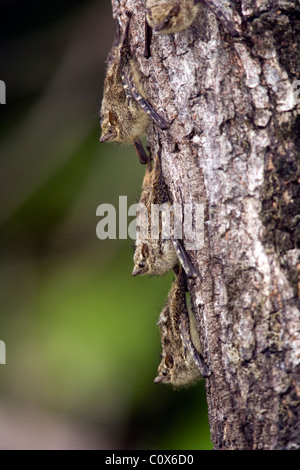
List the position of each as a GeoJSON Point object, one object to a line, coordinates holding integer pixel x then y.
{"type": "Point", "coordinates": [123, 120]}
{"type": "Point", "coordinates": [153, 256]}
{"type": "Point", "coordinates": [171, 16]}
{"type": "Point", "coordinates": [177, 365]}
{"type": "Point", "coordinates": [125, 111]}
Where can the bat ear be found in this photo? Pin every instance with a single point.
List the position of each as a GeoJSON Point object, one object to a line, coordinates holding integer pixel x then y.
{"type": "Point", "coordinates": [145, 250]}
{"type": "Point", "coordinates": [175, 10]}
{"type": "Point", "coordinates": [112, 118]}
{"type": "Point", "coordinates": [169, 361]}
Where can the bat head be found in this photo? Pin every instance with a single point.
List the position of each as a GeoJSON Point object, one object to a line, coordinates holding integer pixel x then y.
{"type": "Point", "coordinates": [177, 370]}
{"type": "Point", "coordinates": [165, 369]}
{"type": "Point", "coordinates": [163, 17]}
{"type": "Point", "coordinates": [141, 259]}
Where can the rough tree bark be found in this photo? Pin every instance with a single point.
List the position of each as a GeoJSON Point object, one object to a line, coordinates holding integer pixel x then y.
{"type": "Point", "coordinates": [234, 145]}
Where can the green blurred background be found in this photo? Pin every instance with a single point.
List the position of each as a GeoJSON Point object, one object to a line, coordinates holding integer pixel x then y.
{"type": "Point", "coordinates": [81, 336]}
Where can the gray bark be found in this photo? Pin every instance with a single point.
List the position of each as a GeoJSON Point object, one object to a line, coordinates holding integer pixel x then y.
{"type": "Point", "coordinates": [234, 146]}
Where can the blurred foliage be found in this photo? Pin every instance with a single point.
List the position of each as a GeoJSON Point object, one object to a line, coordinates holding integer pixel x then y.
{"type": "Point", "coordinates": [81, 335]}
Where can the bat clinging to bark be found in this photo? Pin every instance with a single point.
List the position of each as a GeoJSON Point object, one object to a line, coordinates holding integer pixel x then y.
{"type": "Point", "coordinates": [181, 359]}
{"type": "Point", "coordinates": [125, 111]}
{"type": "Point", "coordinates": [156, 255]}
{"type": "Point", "coordinates": [173, 16]}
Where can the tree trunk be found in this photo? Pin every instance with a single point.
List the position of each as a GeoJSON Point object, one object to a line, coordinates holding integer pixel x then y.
{"type": "Point", "coordinates": [234, 145]}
